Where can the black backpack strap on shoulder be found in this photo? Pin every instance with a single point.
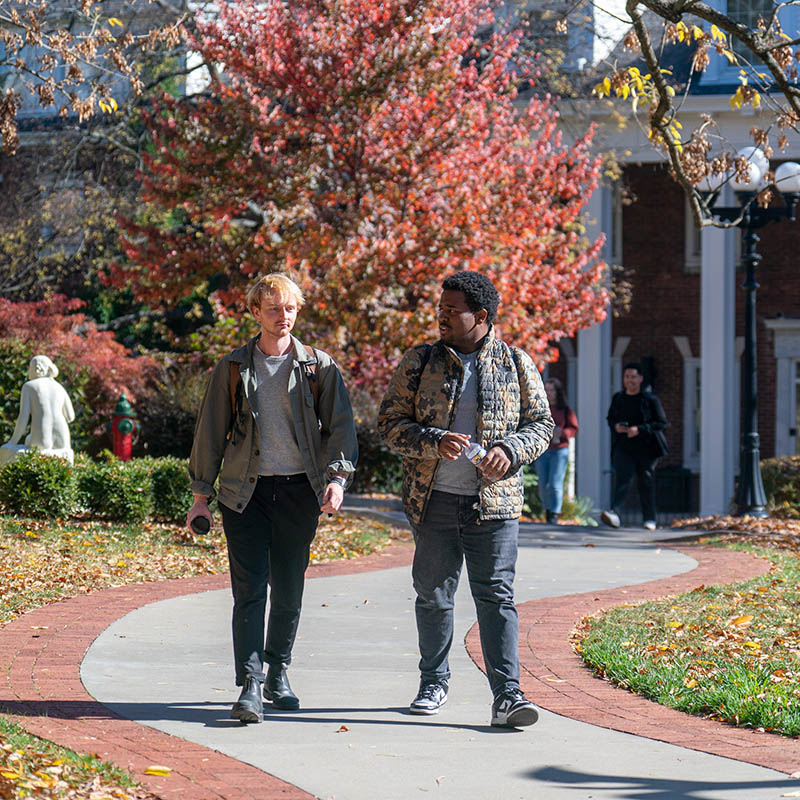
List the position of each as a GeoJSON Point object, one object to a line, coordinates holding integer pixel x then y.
{"type": "Point", "coordinates": [235, 390]}
{"type": "Point", "coordinates": [425, 351]}
{"type": "Point", "coordinates": [310, 368]}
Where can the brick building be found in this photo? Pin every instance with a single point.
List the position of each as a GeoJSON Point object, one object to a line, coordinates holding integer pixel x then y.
{"type": "Point", "coordinates": [685, 322]}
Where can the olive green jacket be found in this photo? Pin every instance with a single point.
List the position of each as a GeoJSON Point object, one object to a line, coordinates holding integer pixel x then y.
{"type": "Point", "coordinates": [420, 404]}
{"type": "Point", "coordinates": [221, 448]}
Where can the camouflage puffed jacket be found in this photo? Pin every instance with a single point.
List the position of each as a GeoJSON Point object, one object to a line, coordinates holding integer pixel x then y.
{"type": "Point", "coordinates": [513, 412]}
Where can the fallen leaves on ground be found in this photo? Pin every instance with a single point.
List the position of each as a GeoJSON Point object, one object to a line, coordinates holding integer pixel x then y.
{"type": "Point", "coordinates": [30, 772]}
{"type": "Point", "coordinates": [774, 532]}
{"type": "Point", "coordinates": [44, 561]}
{"type": "Point", "coordinates": [731, 652]}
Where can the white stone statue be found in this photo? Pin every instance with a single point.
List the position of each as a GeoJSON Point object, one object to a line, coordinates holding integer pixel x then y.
{"type": "Point", "coordinates": [44, 402]}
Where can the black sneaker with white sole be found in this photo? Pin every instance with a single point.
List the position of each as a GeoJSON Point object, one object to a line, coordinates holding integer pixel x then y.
{"type": "Point", "coordinates": [512, 710]}
{"type": "Point", "coordinates": [430, 698]}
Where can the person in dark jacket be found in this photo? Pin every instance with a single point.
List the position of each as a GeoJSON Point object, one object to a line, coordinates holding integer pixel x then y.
{"type": "Point", "coordinates": [467, 388]}
{"type": "Point", "coordinates": [637, 423]}
{"type": "Point", "coordinates": [551, 466]}
{"type": "Point", "coordinates": [284, 451]}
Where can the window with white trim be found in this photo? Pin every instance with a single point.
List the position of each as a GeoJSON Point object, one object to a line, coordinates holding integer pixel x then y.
{"type": "Point", "coordinates": [748, 12]}
{"type": "Point", "coordinates": [720, 71]}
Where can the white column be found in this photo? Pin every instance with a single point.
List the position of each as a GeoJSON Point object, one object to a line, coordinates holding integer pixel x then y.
{"type": "Point", "coordinates": [592, 396]}
{"type": "Point", "coordinates": [691, 453]}
{"type": "Point", "coordinates": [784, 384]}
{"type": "Point", "coordinates": [786, 344]}
{"type": "Point", "coordinates": [617, 355]}
{"type": "Point", "coordinates": [718, 390]}
{"type": "Point", "coordinates": [567, 347]}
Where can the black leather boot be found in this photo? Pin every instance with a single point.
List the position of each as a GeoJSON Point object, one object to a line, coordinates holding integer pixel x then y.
{"type": "Point", "coordinates": [249, 707]}
{"type": "Point", "coordinates": [278, 691]}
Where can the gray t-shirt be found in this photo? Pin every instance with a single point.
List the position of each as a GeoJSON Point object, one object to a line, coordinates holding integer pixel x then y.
{"type": "Point", "coordinates": [461, 476]}
{"type": "Point", "coordinates": [280, 454]}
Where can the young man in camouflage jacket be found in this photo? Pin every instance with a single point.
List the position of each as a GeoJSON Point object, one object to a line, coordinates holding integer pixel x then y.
{"type": "Point", "coordinates": [467, 387]}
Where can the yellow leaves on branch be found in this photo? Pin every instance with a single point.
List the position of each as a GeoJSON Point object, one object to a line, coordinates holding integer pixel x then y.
{"type": "Point", "coordinates": [718, 36]}
{"type": "Point", "coordinates": [681, 32]}
{"type": "Point", "coordinates": [643, 91]}
{"type": "Point", "coordinates": [108, 106]}
{"type": "Point", "coordinates": [745, 94]}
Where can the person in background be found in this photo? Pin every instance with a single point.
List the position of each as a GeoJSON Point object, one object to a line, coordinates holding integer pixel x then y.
{"type": "Point", "coordinates": [466, 388]}
{"type": "Point", "coordinates": [637, 423]}
{"type": "Point", "coordinates": [551, 466]}
{"type": "Point", "coordinates": [284, 452]}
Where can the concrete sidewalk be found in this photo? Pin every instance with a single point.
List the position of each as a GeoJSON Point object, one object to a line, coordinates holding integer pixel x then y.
{"type": "Point", "coordinates": [167, 665]}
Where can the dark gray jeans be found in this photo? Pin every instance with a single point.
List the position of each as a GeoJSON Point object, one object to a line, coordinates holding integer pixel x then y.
{"type": "Point", "coordinates": [450, 533]}
{"type": "Point", "coordinates": [268, 543]}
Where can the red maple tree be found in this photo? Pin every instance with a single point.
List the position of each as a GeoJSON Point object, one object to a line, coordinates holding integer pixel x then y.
{"type": "Point", "coordinates": [57, 328]}
{"type": "Point", "coordinates": [370, 148]}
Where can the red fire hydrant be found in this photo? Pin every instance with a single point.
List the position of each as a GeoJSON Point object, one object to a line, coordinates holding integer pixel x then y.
{"type": "Point", "coordinates": [123, 428]}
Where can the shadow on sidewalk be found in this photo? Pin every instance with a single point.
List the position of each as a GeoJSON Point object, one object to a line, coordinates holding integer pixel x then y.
{"type": "Point", "coordinates": [635, 788]}
{"type": "Point", "coordinates": [214, 714]}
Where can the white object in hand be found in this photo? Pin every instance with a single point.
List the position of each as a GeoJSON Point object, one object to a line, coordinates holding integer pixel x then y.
{"type": "Point", "coordinates": [474, 452]}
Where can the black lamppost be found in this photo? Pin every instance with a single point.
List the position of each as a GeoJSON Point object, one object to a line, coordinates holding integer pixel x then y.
{"type": "Point", "coordinates": [749, 216]}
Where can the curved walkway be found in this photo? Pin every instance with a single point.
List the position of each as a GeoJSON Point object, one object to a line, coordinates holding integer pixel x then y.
{"type": "Point", "coordinates": [41, 689]}
{"type": "Point", "coordinates": [556, 678]}
{"type": "Point", "coordinates": [41, 654]}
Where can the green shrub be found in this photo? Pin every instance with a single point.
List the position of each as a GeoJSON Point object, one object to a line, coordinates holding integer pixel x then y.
{"type": "Point", "coordinates": [379, 469]}
{"type": "Point", "coordinates": [15, 357]}
{"type": "Point", "coordinates": [167, 415]}
{"type": "Point", "coordinates": [117, 490]}
{"type": "Point", "coordinates": [34, 485]}
{"type": "Point", "coordinates": [532, 505]}
{"type": "Point", "coordinates": [172, 494]}
{"type": "Point", "coordinates": [575, 509]}
{"type": "Point", "coordinates": [781, 478]}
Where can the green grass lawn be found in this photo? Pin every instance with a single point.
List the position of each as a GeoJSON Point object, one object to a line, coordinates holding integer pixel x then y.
{"type": "Point", "coordinates": [728, 653]}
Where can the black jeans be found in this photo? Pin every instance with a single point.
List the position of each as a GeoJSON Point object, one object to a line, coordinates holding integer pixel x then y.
{"type": "Point", "coordinates": [643, 465]}
{"type": "Point", "coordinates": [268, 543]}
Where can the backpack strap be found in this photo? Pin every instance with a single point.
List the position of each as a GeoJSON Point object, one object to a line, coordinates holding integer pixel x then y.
{"type": "Point", "coordinates": [310, 368]}
{"type": "Point", "coordinates": [234, 383]}
{"type": "Point", "coordinates": [424, 351]}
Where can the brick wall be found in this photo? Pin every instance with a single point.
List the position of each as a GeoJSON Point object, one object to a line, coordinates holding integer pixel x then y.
{"type": "Point", "coordinates": [666, 297]}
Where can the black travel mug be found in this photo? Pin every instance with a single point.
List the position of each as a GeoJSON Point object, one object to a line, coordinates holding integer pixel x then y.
{"type": "Point", "coordinates": [201, 525]}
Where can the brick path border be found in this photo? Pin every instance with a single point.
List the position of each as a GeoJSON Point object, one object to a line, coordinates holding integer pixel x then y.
{"type": "Point", "coordinates": [40, 687]}
{"type": "Point", "coordinates": [556, 678]}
